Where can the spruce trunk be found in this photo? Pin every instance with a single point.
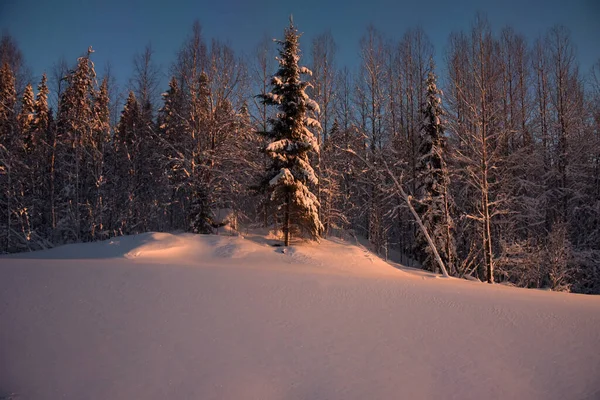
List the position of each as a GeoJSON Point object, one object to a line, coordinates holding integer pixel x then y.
{"type": "Point", "coordinates": [286, 229]}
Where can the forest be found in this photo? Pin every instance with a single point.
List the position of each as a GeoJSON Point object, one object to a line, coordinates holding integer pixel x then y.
{"type": "Point", "coordinates": [500, 160]}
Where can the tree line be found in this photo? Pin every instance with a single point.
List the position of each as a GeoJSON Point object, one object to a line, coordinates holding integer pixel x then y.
{"type": "Point", "coordinates": [502, 167]}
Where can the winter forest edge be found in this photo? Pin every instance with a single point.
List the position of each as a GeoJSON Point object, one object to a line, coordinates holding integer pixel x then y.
{"type": "Point", "coordinates": [502, 167]}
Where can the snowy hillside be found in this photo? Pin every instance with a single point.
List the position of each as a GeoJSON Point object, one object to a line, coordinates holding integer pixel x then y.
{"type": "Point", "coordinates": [161, 316]}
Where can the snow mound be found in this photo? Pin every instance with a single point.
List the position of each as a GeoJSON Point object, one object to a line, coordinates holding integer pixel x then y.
{"type": "Point", "coordinates": [191, 249]}
{"type": "Point", "coordinates": [157, 245]}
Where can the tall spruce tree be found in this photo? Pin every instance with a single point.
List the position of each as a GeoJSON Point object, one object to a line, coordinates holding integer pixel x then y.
{"type": "Point", "coordinates": [434, 203]}
{"type": "Point", "coordinates": [126, 173]}
{"type": "Point", "coordinates": [43, 156]}
{"type": "Point", "coordinates": [27, 174]}
{"type": "Point", "coordinates": [75, 153]}
{"type": "Point", "coordinates": [26, 116]}
{"type": "Point", "coordinates": [172, 132]}
{"type": "Point", "coordinates": [290, 173]}
{"type": "Point", "coordinates": [41, 119]}
{"type": "Point", "coordinates": [98, 151]}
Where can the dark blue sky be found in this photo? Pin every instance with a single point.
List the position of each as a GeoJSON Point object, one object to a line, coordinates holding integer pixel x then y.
{"type": "Point", "coordinates": [46, 30]}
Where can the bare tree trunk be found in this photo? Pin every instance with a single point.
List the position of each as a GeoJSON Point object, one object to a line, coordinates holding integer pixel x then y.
{"type": "Point", "coordinates": [425, 233]}
{"type": "Point", "coordinates": [408, 199]}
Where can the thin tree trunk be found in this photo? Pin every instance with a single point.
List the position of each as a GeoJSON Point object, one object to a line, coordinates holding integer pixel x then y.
{"type": "Point", "coordinates": [408, 199]}
{"type": "Point", "coordinates": [8, 208]}
{"type": "Point", "coordinates": [449, 252]}
{"type": "Point", "coordinates": [424, 230]}
{"type": "Point", "coordinates": [286, 229]}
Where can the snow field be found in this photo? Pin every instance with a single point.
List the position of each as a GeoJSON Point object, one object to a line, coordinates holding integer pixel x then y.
{"type": "Point", "coordinates": [158, 316]}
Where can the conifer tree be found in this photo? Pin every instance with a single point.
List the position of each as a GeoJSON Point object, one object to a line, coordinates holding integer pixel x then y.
{"type": "Point", "coordinates": [200, 212]}
{"type": "Point", "coordinates": [126, 138]}
{"type": "Point", "coordinates": [102, 113]}
{"type": "Point", "coordinates": [41, 111]}
{"type": "Point", "coordinates": [151, 175]}
{"type": "Point", "coordinates": [434, 203]}
{"type": "Point", "coordinates": [167, 115]}
{"type": "Point", "coordinates": [172, 133]}
{"type": "Point", "coordinates": [43, 156]}
{"type": "Point", "coordinates": [135, 172]}
{"type": "Point", "coordinates": [75, 138]}
{"type": "Point", "coordinates": [25, 188]}
{"type": "Point", "coordinates": [26, 116]}
{"type": "Point", "coordinates": [290, 173]}
{"type": "Point", "coordinates": [98, 151]}
{"type": "Point", "coordinates": [199, 157]}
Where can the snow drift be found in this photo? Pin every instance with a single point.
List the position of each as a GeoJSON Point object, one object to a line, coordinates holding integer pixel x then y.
{"type": "Point", "coordinates": [158, 316]}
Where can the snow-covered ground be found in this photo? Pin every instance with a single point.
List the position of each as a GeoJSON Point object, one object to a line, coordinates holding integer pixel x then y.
{"type": "Point", "coordinates": [161, 316]}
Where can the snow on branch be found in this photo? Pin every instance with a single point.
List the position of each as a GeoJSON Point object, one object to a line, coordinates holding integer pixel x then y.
{"type": "Point", "coordinates": [284, 177]}
{"type": "Point", "coordinates": [278, 146]}
{"type": "Point", "coordinates": [305, 71]}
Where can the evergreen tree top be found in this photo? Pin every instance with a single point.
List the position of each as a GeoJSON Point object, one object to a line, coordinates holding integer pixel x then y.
{"type": "Point", "coordinates": [173, 88]}
{"type": "Point", "coordinates": [28, 97]}
{"type": "Point", "coordinates": [43, 88]}
{"type": "Point", "coordinates": [288, 93]}
{"type": "Point", "coordinates": [101, 106]}
{"type": "Point", "coordinates": [42, 113]}
{"type": "Point", "coordinates": [132, 107]}
{"type": "Point", "coordinates": [26, 115]}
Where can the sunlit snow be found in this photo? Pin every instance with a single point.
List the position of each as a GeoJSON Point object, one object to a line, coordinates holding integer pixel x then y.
{"type": "Point", "coordinates": [163, 316]}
